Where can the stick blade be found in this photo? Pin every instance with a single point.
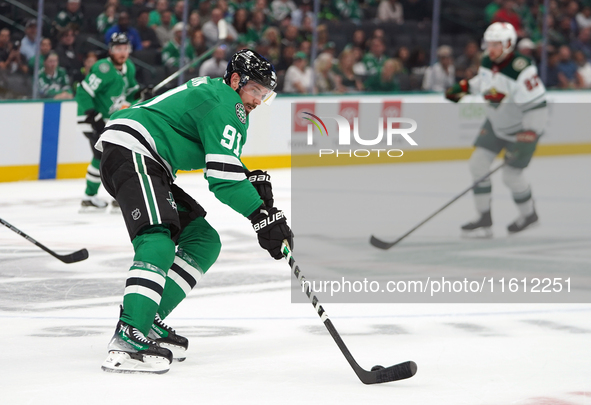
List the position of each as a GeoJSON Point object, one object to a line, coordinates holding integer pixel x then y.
{"type": "Point", "coordinates": [77, 256]}
{"type": "Point", "coordinates": [380, 244]}
{"type": "Point", "coordinates": [397, 372]}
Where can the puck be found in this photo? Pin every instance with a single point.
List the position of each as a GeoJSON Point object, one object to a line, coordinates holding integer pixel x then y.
{"type": "Point", "coordinates": [377, 368]}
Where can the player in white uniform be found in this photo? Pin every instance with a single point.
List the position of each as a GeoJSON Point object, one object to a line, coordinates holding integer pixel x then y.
{"type": "Point", "coordinates": [516, 118]}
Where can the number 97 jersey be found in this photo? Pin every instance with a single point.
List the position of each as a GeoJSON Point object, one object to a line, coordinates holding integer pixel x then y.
{"type": "Point", "coordinates": [512, 90]}
{"type": "Point", "coordinates": [201, 124]}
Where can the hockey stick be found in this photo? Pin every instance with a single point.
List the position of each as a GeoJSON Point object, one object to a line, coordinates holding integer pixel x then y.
{"type": "Point", "coordinates": [380, 244]}
{"type": "Point", "coordinates": [378, 374]}
{"type": "Point", "coordinates": [77, 256]}
{"type": "Point", "coordinates": [222, 34]}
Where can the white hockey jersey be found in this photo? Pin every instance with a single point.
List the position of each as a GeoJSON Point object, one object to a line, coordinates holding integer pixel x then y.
{"type": "Point", "coordinates": [515, 95]}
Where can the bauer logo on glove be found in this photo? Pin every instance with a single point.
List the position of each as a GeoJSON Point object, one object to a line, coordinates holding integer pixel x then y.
{"type": "Point", "coordinates": [268, 220]}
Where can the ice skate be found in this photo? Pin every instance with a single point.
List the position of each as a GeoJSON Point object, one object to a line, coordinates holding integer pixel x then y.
{"type": "Point", "coordinates": [115, 208]}
{"type": "Point", "coordinates": [92, 204]}
{"type": "Point", "coordinates": [131, 352]}
{"type": "Point", "coordinates": [522, 223]}
{"type": "Point", "coordinates": [479, 228]}
{"type": "Point", "coordinates": [168, 338]}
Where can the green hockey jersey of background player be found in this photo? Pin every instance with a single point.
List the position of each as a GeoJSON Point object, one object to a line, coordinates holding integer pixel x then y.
{"type": "Point", "coordinates": [201, 124]}
{"type": "Point", "coordinates": [107, 89]}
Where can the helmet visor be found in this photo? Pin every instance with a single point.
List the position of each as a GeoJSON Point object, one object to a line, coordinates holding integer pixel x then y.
{"type": "Point", "coordinates": [259, 92]}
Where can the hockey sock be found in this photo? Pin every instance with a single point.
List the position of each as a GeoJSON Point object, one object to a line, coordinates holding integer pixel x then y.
{"type": "Point", "coordinates": [93, 177]}
{"type": "Point", "coordinates": [526, 208]}
{"type": "Point", "coordinates": [199, 247]}
{"type": "Point", "coordinates": [154, 251]}
{"type": "Point", "coordinates": [514, 179]}
{"type": "Point", "coordinates": [480, 163]}
{"type": "Point", "coordinates": [482, 202]}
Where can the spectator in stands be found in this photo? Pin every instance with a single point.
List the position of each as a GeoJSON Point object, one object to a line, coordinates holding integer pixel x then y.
{"type": "Point", "coordinates": [306, 32]}
{"type": "Point", "coordinates": [491, 10]}
{"type": "Point", "coordinates": [565, 30]}
{"type": "Point", "coordinates": [390, 11]}
{"type": "Point", "coordinates": [106, 19]}
{"type": "Point", "coordinates": [403, 55]}
{"type": "Point", "coordinates": [290, 36]}
{"type": "Point", "coordinates": [223, 6]}
{"type": "Point", "coordinates": [555, 36]}
{"type": "Point", "coordinates": [68, 54]}
{"type": "Point", "coordinates": [325, 80]}
{"type": "Point", "coordinates": [164, 30]}
{"type": "Point", "coordinates": [527, 47]}
{"type": "Point", "coordinates": [349, 81]}
{"type": "Point", "coordinates": [375, 58]}
{"type": "Point", "coordinates": [171, 52]}
{"type": "Point", "coordinates": [210, 29]}
{"type": "Point", "coordinates": [306, 47]}
{"type": "Point", "coordinates": [304, 10]}
{"type": "Point", "coordinates": [286, 60]}
{"type": "Point", "coordinates": [256, 26]}
{"type": "Point", "coordinates": [147, 34]}
{"type": "Point", "coordinates": [204, 9]}
{"type": "Point", "coordinates": [198, 42]}
{"type": "Point", "coordinates": [568, 78]}
{"type": "Point", "coordinates": [53, 80]}
{"type": "Point", "coordinates": [418, 62]}
{"type": "Point", "coordinates": [89, 60]}
{"type": "Point", "coordinates": [572, 9]}
{"type": "Point", "coordinates": [178, 10]}
{"type": "Point", "coordinates": [528, 20]}
{"type": "Point", "coordinates": [16, 61]}
{"type": "Point", "coordinates": [137, 6]}
{"type": "Point", "coordinates": [273, 36]}
{"type": "Point", "coordinates": [44, 49]}
{"type": "Point", "coordinates": [298, 78]}
{"type": "Point", "coordinates": [583, 70]}
{"type": "Point", "coordinates": [507, 14]}
{"type": "Point", "coordinates": [469, 59]}
{"type": "Point", "coordinates": [27, 44]}
{"type": "Point", "coordinates": [584, 17]}
{"type": "Point", "coordinates": [358, 40]}
{"type": "Point", "coordinates": [552, 81]}
{"type": "Point", "coordinates": [348, 10]}
{"type": "Point", "coordinates": [123, 26]}
{"type": "Point", "coordinates": [281, 9]}
{"type": "Point", "coordinates": [240, 23]}
{"type": "Point", "coordinates": [385, 79]}
{"type": "Point", "coordinates": [583, 42]}
{"type": "Point", "coordinates": [216, 65]}
{"type": "Point", "coordinates": [441, 75]}
{"type": "Point", "coordinates": [263, 7]}
{"type": "Point", "coordinates": [194, 21]}
{"type": "Point", "coordinates": [71, 17]}
{"type": "Point", "coordinates": [5, 46]}
{"type": "Point", "coordinates": [156, 15]}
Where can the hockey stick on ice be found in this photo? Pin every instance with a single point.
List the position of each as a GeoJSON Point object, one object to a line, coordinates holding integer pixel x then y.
{"type": "Point", "coordinates": [387, 245]}
{"type": "Point", "coordinates": [378, 374]}
{"type": "Point", "coordinates": [222, 34]}
{"type": "Point", "coordinates": [77, 256]}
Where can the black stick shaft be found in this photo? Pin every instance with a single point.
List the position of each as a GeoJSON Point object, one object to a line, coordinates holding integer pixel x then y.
{"type": "Point", "coordinates": [71, 258]}
{"type": "Point", "coordinates": [387, 245]}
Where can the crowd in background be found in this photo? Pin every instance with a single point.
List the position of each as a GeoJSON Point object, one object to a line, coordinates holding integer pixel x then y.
{"type": "Point", "coordinates": [370, 46]}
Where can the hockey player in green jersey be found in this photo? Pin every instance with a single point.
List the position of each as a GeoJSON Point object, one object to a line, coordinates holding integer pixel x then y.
{"type": "Point", "coordinates": [109, 86]}
{"type": "Point", "coordinates": [516, 118]}
{"type": "Point", "coordinates": [201, 124]}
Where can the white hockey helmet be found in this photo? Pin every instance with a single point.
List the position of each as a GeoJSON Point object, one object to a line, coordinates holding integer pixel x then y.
{"type": "Point", "coordinates": [504, 33]}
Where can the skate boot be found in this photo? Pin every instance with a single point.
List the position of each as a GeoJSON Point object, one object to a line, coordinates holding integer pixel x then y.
{"type": "Point", "coordinates": [115, 208]}
{"type": "Point", "coordinates": [91, 204]}
{"type": "Point", "coordinates": [480, 227]}
{"type": "Point", "coordinates": [522, 223]}
{"type": "Point", "coordinates": [168, 338]}
{"type": "Point", "coordinates": [131, 352]}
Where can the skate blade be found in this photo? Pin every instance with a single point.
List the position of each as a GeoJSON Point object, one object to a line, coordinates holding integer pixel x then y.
{"type": "Point", "coordinates": [122, 362]}
{"type": "Point", "coordinates": [480, 233]}
{"type": "Point", "coordinates": [178, 353]}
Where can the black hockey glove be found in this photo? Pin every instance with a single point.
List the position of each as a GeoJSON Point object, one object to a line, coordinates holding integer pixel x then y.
{"type": "Point", "coordinates": [146, 93]}
{"type": "Point", "coordinates": [262, 183]}
{"type": "Point", "coordinates": [271, 228]}
{"type": "Point", "coordinates": [95, 119]}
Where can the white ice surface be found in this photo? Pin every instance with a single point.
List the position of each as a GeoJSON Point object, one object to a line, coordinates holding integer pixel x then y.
{"type": "Point", "coordinates": [250, 345]}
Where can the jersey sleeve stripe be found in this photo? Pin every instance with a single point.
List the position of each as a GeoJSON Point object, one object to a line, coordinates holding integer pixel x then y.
{"type": "Point", "coordinates": [223, 175]}
{"type": "Point", "coordinates": [213, 157]}
{"type": "Point", "coordinates": [224, 167]}
{"type": "Point", "coordinates": [86, 87]}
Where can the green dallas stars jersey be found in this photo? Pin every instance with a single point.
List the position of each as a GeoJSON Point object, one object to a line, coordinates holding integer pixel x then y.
{"type": "Point", "coordinates": [201, 124]}
{"type": "Point", "coordinates": [106, 89]}
{"type": "Point", "coordinates": [50, 86]}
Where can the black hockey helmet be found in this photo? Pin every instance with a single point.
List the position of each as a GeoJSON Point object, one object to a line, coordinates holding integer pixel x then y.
{"type": "Point", "coordinates": [119, 38]}
{"type": "Point", "coordinates": [251, 66]}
